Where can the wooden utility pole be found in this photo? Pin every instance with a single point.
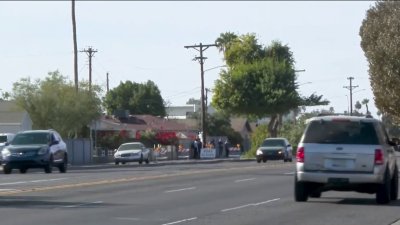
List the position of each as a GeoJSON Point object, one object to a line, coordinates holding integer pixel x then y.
{"type": "Point", "coordinates": [351, 87]}
{"type": "Point", "coordinates": [75, 45]}
{"type": "Point", "coordinates": [201, 48]}
{"type": "Point", "coordinates": [90, 53]}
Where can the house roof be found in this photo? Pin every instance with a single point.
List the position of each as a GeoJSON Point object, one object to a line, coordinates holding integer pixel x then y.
{"type": "Point", "coordinates": [141, 122]}
{"type": "Point", "coordinates": [238, 124]}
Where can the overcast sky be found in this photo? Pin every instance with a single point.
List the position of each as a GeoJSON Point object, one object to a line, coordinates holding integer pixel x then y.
{"type": "Point", "coordinates": [140, 41]}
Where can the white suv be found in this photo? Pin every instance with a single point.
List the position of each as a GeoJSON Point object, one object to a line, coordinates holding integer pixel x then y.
{"type": "Point", "coordinates": [346, 153]}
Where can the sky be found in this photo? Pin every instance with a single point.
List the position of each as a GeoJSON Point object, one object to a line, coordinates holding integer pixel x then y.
{"type": "Point", "coordinates": [144, 40]}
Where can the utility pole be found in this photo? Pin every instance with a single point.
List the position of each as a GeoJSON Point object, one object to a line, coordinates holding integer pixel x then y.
{"type": "Point", "coordinates": [351, 87]}
{"type": "Point", "coordinates": [207, 90]}
{"type": "Point", "coordinates": [108, 84]}
{"type": "Point", "coordinates": [201, 48]}
{"type": "Point", "coordinates": [90, 53]}
{"type": "Point", "coordinates": [75, 44]}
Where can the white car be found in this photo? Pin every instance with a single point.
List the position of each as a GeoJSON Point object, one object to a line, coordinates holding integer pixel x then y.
{"type": "Point", "coordinates": [132, 152]}
{"type": "Point", "coordinates": [346, 153]}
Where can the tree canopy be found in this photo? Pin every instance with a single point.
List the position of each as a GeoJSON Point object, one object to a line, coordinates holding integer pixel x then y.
{"type": "Point", "coordinates": [259, 81]}
{"type": "Point", "coordinates": [144, 98]}
{"type": "Point", "coordinates": [54, 103]}
{"type": "Point", "coordinates": [380, 35]}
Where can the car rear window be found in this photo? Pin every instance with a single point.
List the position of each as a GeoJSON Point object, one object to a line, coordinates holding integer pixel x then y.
{"type": "Point", "coordinates": [3, 138]}
{"type": "Point", "coordinates": [341, 132]}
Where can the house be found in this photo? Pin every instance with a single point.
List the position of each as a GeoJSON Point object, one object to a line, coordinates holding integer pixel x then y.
{"type": "Point", "coordinates": [243, 127]}
{"type": "Point", "coordinates": [13, 119]}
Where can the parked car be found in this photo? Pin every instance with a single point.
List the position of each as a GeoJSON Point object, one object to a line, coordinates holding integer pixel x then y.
{"type": "Point", "coordinates": [35, 149]}
{"type": "Point", "coordinates": [4, 139]}
{"type": "Point", "coordinates": [346, 153]}
{"type": "Point", "coordinates": [274, 149]}
{"type": "Point", "coordinates": [132, 152]}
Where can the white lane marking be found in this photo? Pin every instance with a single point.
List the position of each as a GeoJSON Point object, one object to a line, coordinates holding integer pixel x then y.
{"type": "Point", "coordinates": [32, 181]}
{"type": "Point", "coordinates": [83, 204]}
{"type": "Point", "coordinates": [180, 221]}
{"type": "Point", "coordinates": [251, 204]}
{"type": "Point", "coordinates": [183, 189]}
{"type": "Point", "coordinates": [127, 218]}
{"type": "Point", "coordinates": [249, 179]}
{"type": "Point", "coordinates": [290, 173]}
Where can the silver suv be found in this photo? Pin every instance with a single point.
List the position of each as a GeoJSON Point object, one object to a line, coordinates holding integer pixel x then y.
{"type": "Point", "coordinates": [346, 153]}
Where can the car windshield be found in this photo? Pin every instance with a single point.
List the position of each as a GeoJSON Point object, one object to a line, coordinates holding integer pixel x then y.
{"type": "Point", "coordinates": [273, 143]}
{"type": "Point", "coordinates": [130, 147]}
{"type": "Point", "coordinates": [341, 132]}
{"type": "Point", "coordinates": [3, 138]}
{"type": "Point", "coordinates": [31, 138]}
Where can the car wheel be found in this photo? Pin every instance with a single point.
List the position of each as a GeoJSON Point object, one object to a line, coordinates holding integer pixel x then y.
{"type": "Point", "coordinates": [300, 191]}
{"type": "Point", "coordinates": [116, 163]}
{"type": "Point", "coordinates": [258, 159]}
{"type": "Point", "coordinates": [394, 189]}
{"type": "Point", "coordinates": [7, 169]}
{"type": "Point", "coordinates": [264, 160]}
{"type": "Point", "coordinates": [383, 192]}
{"type": "Point", "coordinates": [285, 160]}
{"type": "Point", "coordinates": [64, 165]}
{"type": "Point", "coordinates": [123, 163]}
{"type": "Point", "coordinates": [23, 170]}
{"type": "Point", "coordinates": [147, 160]}
{"type": "Point", "coordinates": [49, 167]}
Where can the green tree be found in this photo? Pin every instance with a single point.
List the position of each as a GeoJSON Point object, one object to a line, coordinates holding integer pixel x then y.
{"type": "Point", "coordinates": [257, 137]}
{"type": "Point", "coordinates": [358, 105]}
{"type": "Point", "coordinates": [54, 103]}
{"type": "Point", "coordinates": [380, 37]}
{"type": "Point", "coordinates": [259, 81]}
{"type": "Point", "coordinates": [193, 101]}
{"type": "Point", "coordinates": [138, 98]}
{"type": "Point", "coordinates": [365, 102]}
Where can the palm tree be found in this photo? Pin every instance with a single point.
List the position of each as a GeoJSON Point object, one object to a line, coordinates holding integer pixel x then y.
{"type": "Point", "coordinates": [365, 102]}
{"type": "Point", "coordinates": [225, 41]}
{"type": "Point", "coordinates": [75, 45]}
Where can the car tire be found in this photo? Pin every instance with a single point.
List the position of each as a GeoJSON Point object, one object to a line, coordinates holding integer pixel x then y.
{"type": "Point", "coordinates": [383, 190]}
{"type": "Point", "coordinates": [394, 189]}
{"type": "Point", "coordinates": [123, 163]}
{"type": "Point", "coordinates": [7, 169]}
{"type": "Point", "coordinates": [258, 160]}
{"type": "Point", "coordinates": [147, 161]}
{"type": "Point", "coordinates": [23, 170]}
{"type": "Point", "coordinates": [300, 191]}
{"type": "Point", "coordinates": [49, 167]}
{"type": "Point", "coordinates": [64, 165]}
{"type": "Point", "coordinates": [264, 160]}
{"type": "Point", "coordinates": [116, 163]}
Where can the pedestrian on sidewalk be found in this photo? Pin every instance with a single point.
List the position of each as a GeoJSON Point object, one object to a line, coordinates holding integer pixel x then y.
{"type": "Point", "coordinates": [227, 145]}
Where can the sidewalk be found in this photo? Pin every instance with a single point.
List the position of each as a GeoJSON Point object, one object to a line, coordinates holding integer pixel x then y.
{"type": "Point", "coordinates": [165, 163]}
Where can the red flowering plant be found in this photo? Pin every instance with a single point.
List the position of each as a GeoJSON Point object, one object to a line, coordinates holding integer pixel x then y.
{"type": "Point", "coordinates": [167, 137]}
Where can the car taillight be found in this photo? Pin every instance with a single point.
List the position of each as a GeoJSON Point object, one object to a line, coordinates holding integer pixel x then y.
{"type": "Point", "coordinates": [379, 157]}
{"type": "Point", "coordinates": [300, 154]}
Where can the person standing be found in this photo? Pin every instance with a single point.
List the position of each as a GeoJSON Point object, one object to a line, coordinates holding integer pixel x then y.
{"type": "Point", "coordinates": [220, 148]}
{"type": "Point", "coordinates": [227, 145]}
{"type": "Point", "coordinates": [199, 147]}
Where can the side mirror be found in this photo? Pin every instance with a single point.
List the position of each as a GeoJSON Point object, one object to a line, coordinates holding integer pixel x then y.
{"type": "Point", "coordinates": [55, 142]}
{"type": "Point", "coordinates": [289, 145]}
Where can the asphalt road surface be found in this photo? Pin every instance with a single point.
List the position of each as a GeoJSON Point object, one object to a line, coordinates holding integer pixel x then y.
{"type": "Point", "coordinates": [234, 193]}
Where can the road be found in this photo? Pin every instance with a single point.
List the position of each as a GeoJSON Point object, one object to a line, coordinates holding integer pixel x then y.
{"type": "Point", "coordinates": [234, 193]}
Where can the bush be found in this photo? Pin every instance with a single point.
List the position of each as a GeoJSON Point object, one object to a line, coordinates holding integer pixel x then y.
{"type": "Point", "coordinates": [257, 137]}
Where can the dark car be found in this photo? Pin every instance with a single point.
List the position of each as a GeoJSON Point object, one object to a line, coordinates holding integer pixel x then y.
{"type": "Point", "coordinates": [274, 149]}
{"type": "Point", "coordinates": [35, 149]}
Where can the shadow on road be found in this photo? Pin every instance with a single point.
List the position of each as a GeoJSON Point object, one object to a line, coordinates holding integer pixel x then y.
{"type": "Point", "coordinates": [354, 201]}
{"type": "Point", "coordinates": [38, 202]}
